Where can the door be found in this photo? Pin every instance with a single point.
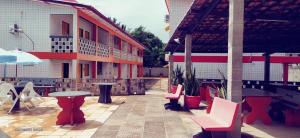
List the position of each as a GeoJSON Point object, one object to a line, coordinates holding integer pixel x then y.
{"type": "Point", "coordinates": [66, 70]}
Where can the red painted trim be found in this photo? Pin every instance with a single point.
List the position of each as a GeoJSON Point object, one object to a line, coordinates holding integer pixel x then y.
{"type": "Point", "coordinates": [51, 55]}
{"type": "Point", "coordinates": [246, 59]}
{"type": "Point", "coordinates": [285, 73]}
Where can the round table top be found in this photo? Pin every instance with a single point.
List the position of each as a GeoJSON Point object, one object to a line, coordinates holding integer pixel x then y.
{"type": "Point", "coordinates": [69, 94]}
{"type": "Point", "coordinates": [104, 83]}
{"type": "Point", "coordinates": [35, 86]}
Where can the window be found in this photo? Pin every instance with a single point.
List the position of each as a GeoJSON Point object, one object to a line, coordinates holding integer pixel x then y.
{"type": "Point", "coordinates": [65, 28]}
{"type": "Point", "coordinates": [65, 70]}
{"type": "Point", "coordinates": [86, 70]}
{"type": "Point", "coordinates": [87, 35]}
{"type": "Point", "coordinates": [129, 48]}
{"type": "Point", "coordinates": [117, 42]}
{"type": "Point", "coordinates": [103, 36]}
{"type": "Point", "coordinates": [99, 68]}
{"type": "Point", "coordinates": [80, 33]}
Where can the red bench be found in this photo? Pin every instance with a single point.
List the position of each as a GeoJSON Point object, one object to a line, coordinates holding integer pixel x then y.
{"type": "Point", "coordinates": [210, 94]}
{"type": "Point", "coordinates": [221, 118]}
{"type": "Point", "coordinates": [174, 99]}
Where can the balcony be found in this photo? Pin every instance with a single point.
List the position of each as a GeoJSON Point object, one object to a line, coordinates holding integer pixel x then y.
{"type": "Point", "coordinates": [103, 50]}
{"type": "Point", "coordinates": [61, 44]}
{"type": "Point", "coordinates": [117, 53]}
{"type": "Point", "coordinates": [124, 55]}
{"type": "Point", "coordinates": [87, 47]}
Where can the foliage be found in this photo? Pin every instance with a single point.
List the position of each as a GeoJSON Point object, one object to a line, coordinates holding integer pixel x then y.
{"type": "Point", "coordinates": [119, 24]}
{"type": "Point", "coordinates": [191, 84]}
{"type": "Point", "coordinates": [177, 76]}
{"type": "Point", "coordinates": [154, 52]}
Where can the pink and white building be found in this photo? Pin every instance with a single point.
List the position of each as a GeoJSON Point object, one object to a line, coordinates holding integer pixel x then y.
{"type": "Point", "coordinates": [75, 41]}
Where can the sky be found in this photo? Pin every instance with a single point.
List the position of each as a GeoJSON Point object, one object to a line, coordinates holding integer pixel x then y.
{"type": "Point", "coordinates": [133, 13]}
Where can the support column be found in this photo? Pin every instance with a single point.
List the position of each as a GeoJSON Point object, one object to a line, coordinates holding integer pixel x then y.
{"type": "Point", "coordinates": [267, 70]}
{"type": "Point", "coordinates": [75, 72]}
{"type": "Point", "coordinates": [171, 64]}
{"type": "Point", "coordinates": [235, 55]}
{"type": "Point", "coordinates": [188, 52]}
{"type": "Point", "coordinates": [119, 71]}
{"type": "Point", "coordinates": [285, 73]}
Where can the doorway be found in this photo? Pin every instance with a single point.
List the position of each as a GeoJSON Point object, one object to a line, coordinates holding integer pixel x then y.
{"type": "Point", "coordinates": [66, 68]}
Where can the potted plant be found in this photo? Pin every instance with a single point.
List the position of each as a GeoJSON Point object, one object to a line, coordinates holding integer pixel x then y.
{"type": "Point", "coordinates": [192, 97]}
{"type": "Point", "coordinates": [177, 78]}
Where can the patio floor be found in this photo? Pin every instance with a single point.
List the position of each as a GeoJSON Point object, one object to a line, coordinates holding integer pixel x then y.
{"type": "Point", "coordinates": [127, 117]}
{"type": "Point", "coordinates": [40, 122]}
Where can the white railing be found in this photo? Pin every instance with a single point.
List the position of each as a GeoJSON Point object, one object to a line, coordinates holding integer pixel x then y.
{"type": "Point", "coordinates": [140, 59]}
{"type": "Point", "coordinates": [117, 53]}
{"type": "Point", "coordinates": [102, 50]}
{"type": "Point", "coordinates": [87, 47]}
{"type": "Point", "coordinates": [62, 44]}
{"type": "Point", "coordinates": [124, 55]}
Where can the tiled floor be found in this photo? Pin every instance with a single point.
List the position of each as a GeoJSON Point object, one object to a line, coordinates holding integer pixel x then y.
{"type": "Point", "coordinates": [40, 122]}
{"type": "Point", "coordinates": [128, 117]}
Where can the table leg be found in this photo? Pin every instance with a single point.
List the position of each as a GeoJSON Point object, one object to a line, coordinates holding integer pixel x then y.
{"type": "Point", "coordinates": [46, 92]}
{"type": "Point", "coordinates": [71, 113]}
{"type": "Point", "coordinates": [17, 105]}
{"type": "Point", "coordinates": [104, 94]}
{"type": "Point", "coordinates": [259, 106]}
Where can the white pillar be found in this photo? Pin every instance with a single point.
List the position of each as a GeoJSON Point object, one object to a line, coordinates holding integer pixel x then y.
{"type": "Point", "coordinates": [187, 56]}
{"type": "Point", "coordinates": [235, 55]}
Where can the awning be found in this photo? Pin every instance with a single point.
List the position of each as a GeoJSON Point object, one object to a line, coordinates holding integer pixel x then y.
{"type": "Point", "coordinates": [269, 26]}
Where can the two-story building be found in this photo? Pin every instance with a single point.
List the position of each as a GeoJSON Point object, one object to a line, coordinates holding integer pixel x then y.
{"type": "Point", "coordinates": [76, 42]}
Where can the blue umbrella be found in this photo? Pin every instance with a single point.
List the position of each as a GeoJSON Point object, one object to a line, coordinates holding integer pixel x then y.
{"type": "Point", "coordinates": [6, 56]}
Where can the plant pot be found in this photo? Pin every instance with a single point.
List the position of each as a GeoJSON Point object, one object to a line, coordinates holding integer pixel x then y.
{"type": "Point", "coordinates": [173, 89]}
{"type": "Point", "coordinates": [192, 102]}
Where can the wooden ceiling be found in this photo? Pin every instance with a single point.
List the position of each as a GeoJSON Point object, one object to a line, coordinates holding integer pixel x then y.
{"type": "Point", "coordinates": [269, 26]}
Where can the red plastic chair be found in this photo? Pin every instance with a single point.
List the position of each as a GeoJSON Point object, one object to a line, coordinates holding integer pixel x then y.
{"type": "Point", "coordinates": [173, 104]}
{"type": "Point", "coordinates": [210, 94]}
{"type": "Point", "coordinates": [221, 118]}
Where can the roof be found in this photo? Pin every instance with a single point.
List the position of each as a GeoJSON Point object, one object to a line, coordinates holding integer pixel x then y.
{"type": "Point", "coordinates": [95, 11]}
{"type": "Point", "coordinates": [269, 26]}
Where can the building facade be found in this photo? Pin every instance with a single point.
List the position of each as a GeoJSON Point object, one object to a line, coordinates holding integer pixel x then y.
{"type": "Point", "coordinates": [283, 66]}
{"type": "Point", "coordinates": [76, 42]}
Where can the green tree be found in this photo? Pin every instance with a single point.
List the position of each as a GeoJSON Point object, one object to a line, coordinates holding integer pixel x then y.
{"type": "Point", "coordinates": [154, 52]}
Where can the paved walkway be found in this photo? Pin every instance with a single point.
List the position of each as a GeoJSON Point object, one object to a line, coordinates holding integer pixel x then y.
{"type": "Point", "coordinates": [144, 116]}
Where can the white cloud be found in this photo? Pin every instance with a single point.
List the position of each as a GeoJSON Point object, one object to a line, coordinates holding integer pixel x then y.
{"type": "Point", "coordinates": [133, 13]}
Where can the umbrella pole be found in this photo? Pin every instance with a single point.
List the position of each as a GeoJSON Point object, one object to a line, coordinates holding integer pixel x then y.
{"type": "Point", "coordinates": [16, 72]}
{"type": "Point", "coordinates": [4, 75]}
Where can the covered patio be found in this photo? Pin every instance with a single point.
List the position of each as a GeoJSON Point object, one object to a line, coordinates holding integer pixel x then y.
{"type": "Point", "coordinates": [237, 27]}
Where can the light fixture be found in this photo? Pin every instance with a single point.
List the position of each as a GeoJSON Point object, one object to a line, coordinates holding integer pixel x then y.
{"type": "Point", "coordinates": [177, 40]}
{"type": "Point", "coordinates": [16, 30]}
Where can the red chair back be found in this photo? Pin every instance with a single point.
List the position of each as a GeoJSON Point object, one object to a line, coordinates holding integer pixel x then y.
{"type": "Point", "coordinates": [178, 90]}
{"type": "Point", "coordinates": [224, 110]}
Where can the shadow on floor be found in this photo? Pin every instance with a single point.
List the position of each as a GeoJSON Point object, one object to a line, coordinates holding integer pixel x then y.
{"type": "Point", "coordinates": [208, 135]}
{"type": "Point", "coordinates": [35, 111]}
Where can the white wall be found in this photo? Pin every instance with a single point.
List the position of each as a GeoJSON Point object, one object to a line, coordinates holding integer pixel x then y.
{"type": "Point", "coordinates": [86, 26]}
{"type": "Point", "coordinates": [134, 71]}
{"type": "Point", "coordinates": [56, 23]}
{"type": "Point", "coordinates": [107, 71]}
{"type": "Point", "coordinates": [47, 69]}
{"type": "Point", "coordinates": [178, 9]}
{"type": "Point", "coordinates": [33, 18]}
{"type": "Point", "coordinates": [124, 71]}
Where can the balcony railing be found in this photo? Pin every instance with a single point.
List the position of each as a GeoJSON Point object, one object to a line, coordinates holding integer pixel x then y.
{"type": "Point", "coordinates": [103, 50]}
{"type": "Point", "coordinates": [117, 53]}
{"type": "Point", "coordinates": [61, 44]}
{"type": "Point", "coordinates": [87, 47]}
{"type": "Point", "coordinates": [140, 59]}
{"type": "Point", "coordinates": [124, 55]}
